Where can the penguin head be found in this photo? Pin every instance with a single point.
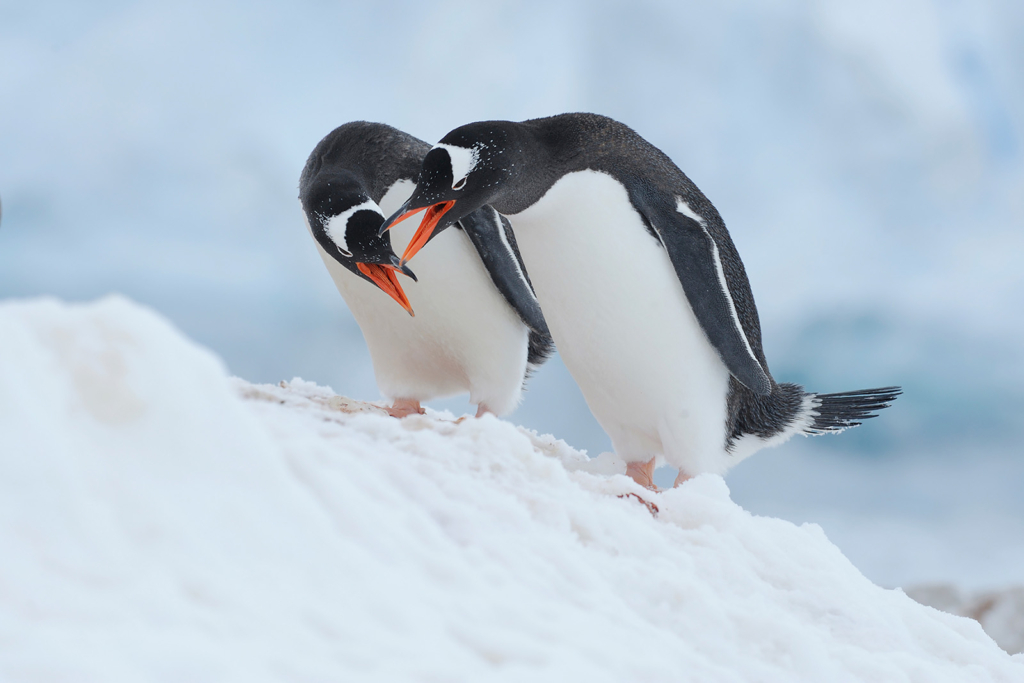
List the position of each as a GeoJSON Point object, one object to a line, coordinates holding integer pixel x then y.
{"type": "Point", "coordinates": [460, 174]}
{"type": "Point", "coordinates": [346, 223]}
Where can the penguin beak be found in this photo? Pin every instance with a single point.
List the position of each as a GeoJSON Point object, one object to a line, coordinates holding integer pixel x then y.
{"type": "Point", "coordinates": [397, 264]}
{"type": "Point", "coordinates": [397, 218]}
{"type": "Point", "coordinates": [427, 225]}
{"type": "Point", "coordinates": [384, 277]}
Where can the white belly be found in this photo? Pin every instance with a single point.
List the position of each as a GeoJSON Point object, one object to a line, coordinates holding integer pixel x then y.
{"type": "Point", "coordinates": [465, 336]}
{"type": "Point", "coordinates": [623, 325]}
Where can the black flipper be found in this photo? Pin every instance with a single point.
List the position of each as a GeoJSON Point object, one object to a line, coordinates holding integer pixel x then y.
{"type": "Point", "coordinates": [696, 259]}
{"type": "Point", "coordinates": [491, 234]}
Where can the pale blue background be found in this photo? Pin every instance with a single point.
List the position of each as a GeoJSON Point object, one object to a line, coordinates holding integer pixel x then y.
{"type": "Point", "coordinates": [866, 156]}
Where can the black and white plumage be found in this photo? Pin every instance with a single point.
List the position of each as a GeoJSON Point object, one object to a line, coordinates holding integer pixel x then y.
{"type": "Point", "coordinates": [641, 285]}
{"type": "Point", "coordinates": [477, 325]}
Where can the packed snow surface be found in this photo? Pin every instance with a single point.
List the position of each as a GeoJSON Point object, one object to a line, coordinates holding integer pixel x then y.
{"type": "Point", "coordinates": [160, 521]}
{"type": "Point", "coordinates": [1000, 613]}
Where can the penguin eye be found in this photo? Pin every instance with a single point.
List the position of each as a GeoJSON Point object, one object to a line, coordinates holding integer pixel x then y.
{"type": "Point", "coordinates": [461, 184]}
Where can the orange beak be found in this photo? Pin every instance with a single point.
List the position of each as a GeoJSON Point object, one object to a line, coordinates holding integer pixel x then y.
{"type": "Point", "coordinates": [400, 219]}
{"type": "Point", "coordinates": [385, 278]}
{"type": "Point", "coordinates": [430, 220]}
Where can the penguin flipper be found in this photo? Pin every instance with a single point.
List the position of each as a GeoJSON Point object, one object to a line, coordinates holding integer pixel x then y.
{"type": "Point", "coordinates": [491, 234]}
{"type": "Point", "coordinates": [697, 262]}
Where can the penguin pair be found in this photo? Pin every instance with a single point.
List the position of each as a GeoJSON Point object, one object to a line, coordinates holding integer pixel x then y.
{"type": "Point", "coordinates": [471, 323]}
{"type": "Point", "coordinates": [642, 288]}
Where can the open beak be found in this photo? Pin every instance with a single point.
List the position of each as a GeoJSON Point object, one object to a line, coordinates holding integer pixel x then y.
{"type": "Point", "coordinates": [388, 224]}
{"type": "Point", "coordinates": [384, 277]}
{"type": "Point", "coordinates": [427, 225]}
{"type": "Point", "coordinates": [397, 264]}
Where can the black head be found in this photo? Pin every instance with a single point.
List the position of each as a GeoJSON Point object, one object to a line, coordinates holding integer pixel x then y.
{"type": "Point", "coordinates": [346, 223]}
{"type": "Point", "coordinates": [469, 168]}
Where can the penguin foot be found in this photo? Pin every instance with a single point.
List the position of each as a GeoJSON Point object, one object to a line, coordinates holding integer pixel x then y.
{"type": "Point", "coordinates": [642, 473]}
{"type": "Point", "coordinates": [404, 407]}
{"type": "Point", "coordinates": [482, 410]}
{"type": "Point", "coordinates": [680, 478]}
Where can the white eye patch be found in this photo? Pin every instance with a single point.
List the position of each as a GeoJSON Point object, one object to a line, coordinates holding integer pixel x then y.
{"type": "Point", "coordinates": [337, 225]}
{"type": "Point", "coordinates": [463, 160]}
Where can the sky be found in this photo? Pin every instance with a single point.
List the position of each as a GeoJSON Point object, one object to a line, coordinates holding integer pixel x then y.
{"type": "Point", "coordinates": [868, 159]}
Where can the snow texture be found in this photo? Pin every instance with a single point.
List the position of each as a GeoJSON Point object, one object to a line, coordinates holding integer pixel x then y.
{"type": "Point", "coordinates": [160, 521]}
{"type": "Point", "coordinates": [1001, 613]}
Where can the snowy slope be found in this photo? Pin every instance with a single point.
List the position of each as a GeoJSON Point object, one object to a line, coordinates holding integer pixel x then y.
{"type": "Point", "coordinates": [160, 521]}
{"type": "Point", "coordinates": [1001, 613]}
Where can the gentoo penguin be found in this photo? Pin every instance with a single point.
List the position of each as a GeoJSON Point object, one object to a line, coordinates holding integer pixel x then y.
{"type": "Point", "coordinates": [644, 293]}
{"type": "Point", "coordinates": [477, 326]}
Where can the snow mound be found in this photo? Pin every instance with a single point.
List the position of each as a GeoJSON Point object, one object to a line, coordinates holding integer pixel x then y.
{"type": "Point", "coordinates": [161, 521]}
{"type": "Point", "coordinates": [1000, 613]}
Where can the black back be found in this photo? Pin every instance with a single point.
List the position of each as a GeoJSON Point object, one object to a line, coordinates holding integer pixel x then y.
{"type": "Point", "coordinates": [376, 154]}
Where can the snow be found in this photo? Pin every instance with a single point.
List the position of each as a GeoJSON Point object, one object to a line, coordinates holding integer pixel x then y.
{"type": "Point", "coordinates": [160, 520]}
{"type": "Point", "coordinates": [1001, 613]}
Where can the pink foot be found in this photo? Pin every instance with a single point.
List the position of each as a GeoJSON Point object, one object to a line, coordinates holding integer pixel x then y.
{"type": "Point", "coordinates": [403, 407]}
{"type": "Point", "coordinates": [680, 478]}
{"type": "Point", "coordinates": [642, 473]}
{"type": "Point", "coordinates": [482, 410]}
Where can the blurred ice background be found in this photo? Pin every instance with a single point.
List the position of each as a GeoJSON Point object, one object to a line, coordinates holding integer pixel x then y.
{"type": "Point", "coordinates": [868, 159]}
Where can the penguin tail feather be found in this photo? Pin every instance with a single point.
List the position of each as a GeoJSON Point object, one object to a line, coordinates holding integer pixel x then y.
{"type": "Point", "coordinates": [834, 413]}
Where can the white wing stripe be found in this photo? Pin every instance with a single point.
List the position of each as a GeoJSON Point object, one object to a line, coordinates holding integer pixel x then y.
{"type": "Point", "coordinates": [684, 208]}
{"type": "Point", "coordinates": [511, 253]}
